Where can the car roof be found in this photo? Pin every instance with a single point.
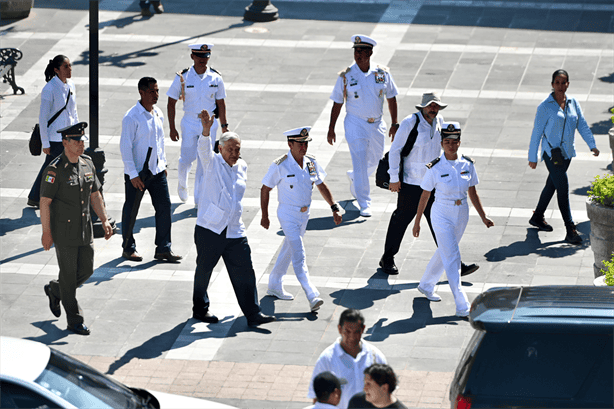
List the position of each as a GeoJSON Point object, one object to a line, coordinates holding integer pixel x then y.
{"type": "Point", "coordinates": [22, 359]}
{"type": "Point", "coordinates": [545, 309]}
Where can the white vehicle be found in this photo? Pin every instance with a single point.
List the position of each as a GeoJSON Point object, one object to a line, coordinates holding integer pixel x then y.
{"type": "Point", "coordinates": [32, 375]}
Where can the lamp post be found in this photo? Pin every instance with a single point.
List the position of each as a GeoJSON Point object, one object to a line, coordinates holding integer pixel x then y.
{"type": "Point", "coordinates": [94, 150]}
{"type": "Point", "coordinates": [261, 11]}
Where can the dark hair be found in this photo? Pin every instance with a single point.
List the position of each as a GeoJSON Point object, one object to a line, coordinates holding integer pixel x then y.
{"type": "Point", "coordinates": [351, 315]}
{"type": "Point", "coordinates": [57, 62]}
{"type": "Point", "coordinates": [382, 374]}
{"type": "Point", "coordinates": [559, 72]}
{"type": "Point", "coordinates": [324, 384]}
{"type": "Point", "coordinates": [145, 82]}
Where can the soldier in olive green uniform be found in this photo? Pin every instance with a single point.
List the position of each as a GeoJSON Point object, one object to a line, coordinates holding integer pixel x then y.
{"type": "Point", "coordinates": [68, 186]}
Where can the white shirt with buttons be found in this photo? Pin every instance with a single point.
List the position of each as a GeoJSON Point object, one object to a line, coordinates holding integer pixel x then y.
{"type": "Point", "coordinates": [294, 184]}
{"type": "Point", "coordinates": [223, 186]}
{"type": "Point", "coordinates": [426, 148]}
{"type": "Point", "coordinates": [451, 179]}
{"type": "Point", "coordinates": [201, 91]}
{"type": "Point", "coordinates": [366, 91]}
{"type": "Point", "coordinates": [140, 130]}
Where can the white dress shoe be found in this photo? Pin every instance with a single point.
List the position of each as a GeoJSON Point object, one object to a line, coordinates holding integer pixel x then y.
{"type": "Point", "coordinates": [282, 295]}
{"type": "Point", "coordinates": [183, 193]}
{"type": "Point", "coordinates": [366, 212]}
{"type": "Point", "coordinates": [462, 314]}
{"type": "Point", "coordinates": [432, 296]}
{"type": "Point", "coordinates": [315, 304]}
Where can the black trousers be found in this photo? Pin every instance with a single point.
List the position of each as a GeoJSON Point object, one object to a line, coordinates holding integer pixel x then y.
{"type": "Point", "coordinates": [407, 206]}
{"type": "Point", "coordinates": [237, 256]}
{"type": "Point", "coordinates": [76, 266]}
{"type": "Point", "coordinates": [161, 200]}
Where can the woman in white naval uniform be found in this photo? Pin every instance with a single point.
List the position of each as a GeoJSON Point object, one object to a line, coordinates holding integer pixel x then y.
{"type": "Point", "coordinates": [294, 174]}
{"type": "Point", "coordinates": [453, 178]}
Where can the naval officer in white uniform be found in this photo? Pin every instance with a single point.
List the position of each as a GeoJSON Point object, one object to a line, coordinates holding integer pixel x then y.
{"type": "Point", "coordinates": [453, 178]}
{"type": "Point", "coordinates": [200, 87]}
{"type": "Point", "coordinates": [294, 174]}
{"type": "Point", "coordinates": [364, 87]}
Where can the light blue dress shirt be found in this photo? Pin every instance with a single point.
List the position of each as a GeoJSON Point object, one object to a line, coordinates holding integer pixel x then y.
{"type": "Point", "coordinates": [556, 127]}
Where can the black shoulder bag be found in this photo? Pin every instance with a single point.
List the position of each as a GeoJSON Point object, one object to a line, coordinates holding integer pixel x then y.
{"type": "Point", "coordinates": [556, 154]}
{"type": "Point", "coordinates": [382, 178]}
{"type": "Point", "coordinates": [36, 145]}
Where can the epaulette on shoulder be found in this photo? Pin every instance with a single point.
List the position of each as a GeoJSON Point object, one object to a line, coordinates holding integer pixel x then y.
{"type": "Point", "coordinates": [215, 71]}
{"type": "Point", "coordinates": [468, 159]}
{"type": "Point", "coordinates": [87, 158]}
{"type": "Point", "coordinates": [343, 72]}
{"type": "Point", "coordinates": [280, 160]}
{"type": "Point", "coordinates": [310, 156]}
{"type": "Point", "coordinates": [182, 71]}
{"type": "Point", "coordinates": [433, 163]}
{"type": "Point", "coordinates": [54, 163]}
{"type": "Point", "coordinates": [383, 68]}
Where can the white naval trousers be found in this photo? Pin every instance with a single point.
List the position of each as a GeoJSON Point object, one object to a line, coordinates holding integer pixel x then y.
{"type": "Point", "coordinates": [191, 128]}
{"type": "Point", "coordinates": [366, 143]}
{"type": "Point", "coordinates": [449, 222]}
{"type": "Point", "coordinates": [294, 225]}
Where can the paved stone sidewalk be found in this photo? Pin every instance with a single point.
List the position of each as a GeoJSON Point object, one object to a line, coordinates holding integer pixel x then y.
{"type": "Point", "coordinates": [492, 62]}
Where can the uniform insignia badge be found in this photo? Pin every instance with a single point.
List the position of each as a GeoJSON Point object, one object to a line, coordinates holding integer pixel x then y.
{"type": "Point", "coordinates": [464, 172]}
{"type": "Point", "coordinates": [190, 86]}
{"type": "Point", "coordinates": [357, 40]}
{"type": "Point", "coordinates": [49, 179]}
{"type": "Point", "coordinates": [381, 93]}
{"type": "Point", "coordinates": [304, 132]}
{"type": "Point", "coordinates": [51, 173]}
{"type": "Point", "coordinates": [379, 79]}
{"type": "Point", "coordinates": [355, 94]}
{"type": "Point", "coordinates": [311, 168]}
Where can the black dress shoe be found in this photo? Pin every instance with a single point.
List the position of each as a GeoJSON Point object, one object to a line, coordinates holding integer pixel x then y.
{"type": "Point", "coordinates": [132, 257]}
{"type": "Point", "coordinates": [54, 303]}
{"type": "Point", "coordinates": [206, 317]}
{"type": "Point", "coordinates": [388, 267]}
{"type": "Point", "coordinates": [80, 329]}
{"type": "Point", "coordinates": [468, 269]}
{"type": "Point", "coordinates": [168, 256]}
{"type": "Point", "coordinates": [33, 203]}
{"type": "Point", "coordinates": [259, 319]}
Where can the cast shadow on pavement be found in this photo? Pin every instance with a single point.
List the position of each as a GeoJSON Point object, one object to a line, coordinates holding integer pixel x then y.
{"type": "Point", "coordinates": [422, 317]}
{"type": "Point", "coordinates": [533, 245]}
{"type": "Point", "coordinates": [377, 288]}
{"type": "Point", "coordinates": [28, 218]}
{"type": "Point", "coordinates": [267, 306]}
{"type": "Point", "coordinates": [134, 58]}
{"type": "Point", "coordinates": [52, 333]}
{"type": "Point", "coordinates": [164, 342]}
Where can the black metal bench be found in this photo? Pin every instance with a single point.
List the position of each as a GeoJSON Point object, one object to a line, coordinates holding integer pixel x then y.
{"type": "Point", "coordinates": [8, 61]}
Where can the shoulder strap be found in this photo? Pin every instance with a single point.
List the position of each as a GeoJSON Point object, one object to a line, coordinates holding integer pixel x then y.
{"type": "Point", "coordinates": [215, 71]}
{"type": "Point", "coordinates": [468, 158]}
{"type": "Point", "coordinates": [53, 118]}
{"type": "Point", "coordinates": [281, 159]}
{"type": "Point", "coordinates": [433, 162]}
{"type": "Point", "coordinates": [345, 81]}
{"type": "Point", "coordinates": [411, 139]}
{"type": "Point", "coordinates": [146, 165]}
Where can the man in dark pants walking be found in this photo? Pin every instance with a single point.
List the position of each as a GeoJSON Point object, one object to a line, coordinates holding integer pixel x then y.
{"type": "Point", "coordinates": [427, 123]}
{"type": "Point", "coordinates": [69, 186]}
{"type": "Point", "coordinates": [220, 231]}
{"type": "Point", "coordinates": [142, 148]}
